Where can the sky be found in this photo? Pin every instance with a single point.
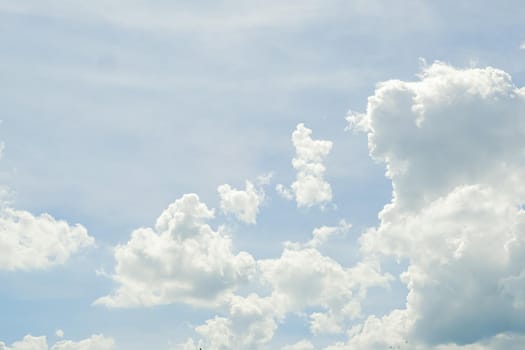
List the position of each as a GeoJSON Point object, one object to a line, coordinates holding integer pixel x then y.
{"type": "Point", "coordinates": [290, 175]}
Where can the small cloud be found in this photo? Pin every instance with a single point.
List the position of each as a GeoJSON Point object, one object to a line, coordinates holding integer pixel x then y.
{"type": "Point", "coordinates": [243, 204]}
{"type": "Point", "coordinates": [522, 45]}
{"type": "Point", "coordinates": [310, 187]}
{"type": "Point", "coordinates": [59, 333]}
{"type": "Point", "coordinates": [264, 179]}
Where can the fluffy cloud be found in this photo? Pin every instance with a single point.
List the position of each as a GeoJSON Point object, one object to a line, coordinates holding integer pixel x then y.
{"type": "Point", "coordinates": [303, 278]}
{"type": "Point", "coordinates": [323, 233]}
{"type": "Point", "coordinates": [450, 128]}
{"type": "Point", "coordinates": [250, 324]}
{"type": "Point", "coordinates": [244, 205]}
{"type": "Point", "coordinates": [300, 278]}
{"type": "Point", "coordinates": [309, 188]}
{"type": "Point", "coordinates": [95, 342]}
{"type": "Point", "coordinates": [30, 242]}
{"type": "Point", "coordinates": [181, 260]}
{"type": "Point", "coordinates": [454, 145]}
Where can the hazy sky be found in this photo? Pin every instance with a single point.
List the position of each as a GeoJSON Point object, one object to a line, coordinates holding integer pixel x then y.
{"type": "Point", "coordinates": [292, 175]}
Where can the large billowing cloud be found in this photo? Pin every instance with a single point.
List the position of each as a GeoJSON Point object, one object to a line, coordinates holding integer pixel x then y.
{"type": "Point", "coordinates": [181, 260]}
{"type": "Point", "coordinates": [454, 146]}
{"type": "Point", "coordinates": [310, 187]}
{"type": "Point", "coordinates": [95, 342]}
{"type": "Point", "coordinates": [29, 242]}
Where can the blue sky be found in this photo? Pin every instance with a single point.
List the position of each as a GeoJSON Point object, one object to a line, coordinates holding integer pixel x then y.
{"type": "Point", "coordinates": [384, 124]}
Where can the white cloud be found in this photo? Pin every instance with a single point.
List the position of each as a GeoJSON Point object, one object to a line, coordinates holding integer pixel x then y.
{"type": "Point", "coordinates": [95, 342]}
{"type": "Point", "coordinates": [250, 324]}
{"type": "Point", "coordinates": [323, 233]}
{"type": "Point", "coordinates": [299, 279]}
{"type": "Point", "coordinates": [29, 242]}
{"type": "Point", "coordinates": [522, 45]}
{"type": "Point", "coordinates": [59, 333]}
{"type": "Point", "coordinates": [452, 127]}
{"type": "Point", "coordinates": [454, 147]}
{"type": "Point", "coordinates": [303, 278]}
{"type": "Point", "coordinates": [244, 205]}
{"type": "Point", "coordinates": [309, 188]}
{"type": "Point", "coordinates": [391, 332]}
{"type": "Point", "coordinates": [302, 345]}
{"type": "Point", "coordinates": [28, 343]}
{"type": "Point", "coordinates": [181, 260]}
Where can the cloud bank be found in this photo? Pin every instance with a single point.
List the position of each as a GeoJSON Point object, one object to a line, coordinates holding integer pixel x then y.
{"type": "Point", "coordinates": [454, 144]}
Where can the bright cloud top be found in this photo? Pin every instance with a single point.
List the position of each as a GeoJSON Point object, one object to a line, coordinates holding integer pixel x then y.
{"type": "Point", "coordinates": [454, 146]}
{"type": "Point", "coordinates": [309, 188]}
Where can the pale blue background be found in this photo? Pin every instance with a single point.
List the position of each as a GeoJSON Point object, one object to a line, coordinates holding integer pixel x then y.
{"type": "Point", "coordinates": [112, 112]}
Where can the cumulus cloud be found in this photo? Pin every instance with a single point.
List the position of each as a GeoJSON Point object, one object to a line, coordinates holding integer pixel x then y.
{"type": "Point", "coordinates": [182, 259]}
{"type": "Point", "coordinates": [300, 278]}
{"type": "Point", "coordinates": [250, 324]}
{"type": "Point", "coordinates": [303, 278]}
{"type": "Point", "coordinates": [310, 187]}
{"type": "Point", "coordinates": [243, 204]}
{"type": "Point", "coordinates": [454, 145]}
{"type": "Point", "coordinates": [95, 342]}
{"type": "Point", "coordinates": [451, 127]}
{"type": "Point", "coordinates": [29, 242]}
